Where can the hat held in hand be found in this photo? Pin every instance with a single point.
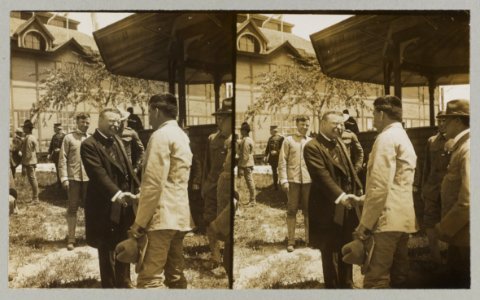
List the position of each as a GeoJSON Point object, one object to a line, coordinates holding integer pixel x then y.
{"type": "Point", "coordinates": [132, 251]}
{"type": "Point", "coordinates": [359, 252]}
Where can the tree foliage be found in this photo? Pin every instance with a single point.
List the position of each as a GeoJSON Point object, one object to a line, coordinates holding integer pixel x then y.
{"type": "Point", "coordinates": [304, 84]}
{"type": "Point", "coordinates": [88, 81]}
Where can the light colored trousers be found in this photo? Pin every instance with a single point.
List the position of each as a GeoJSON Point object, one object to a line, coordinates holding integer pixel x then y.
{"type": "Point", "coordinates": [298, 195]}
{"type": "Point", "coordinates": [77, 192]}
{"type": "Point", "coordinates": [164, 262]}
{"type": "Point", "coordinates": [389, 264]}
{"type": "Point", "coordinates": [32, 179]}
{"type": "Point", "coordinates": [248, 175]}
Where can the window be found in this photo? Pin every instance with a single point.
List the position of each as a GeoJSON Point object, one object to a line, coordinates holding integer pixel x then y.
{"type": "Point", "coordinates": [22, 115]}
{"type": "Point", "coordinates": [68, 121]}
{"type": "Point", "coordinates": [249, 43]}
{"type": "Point", "coordinates": [35, 41]}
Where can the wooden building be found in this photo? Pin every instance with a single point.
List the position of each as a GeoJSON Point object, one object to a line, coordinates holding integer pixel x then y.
{"type": "Point", "coordinates": [262, 49]}
{"type": "Point", "coordinates": [37, 46]}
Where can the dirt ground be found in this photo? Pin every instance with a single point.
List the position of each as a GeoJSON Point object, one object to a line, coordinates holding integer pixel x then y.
{"type": "Point", "coordinates": [38, 257]}
{"type": "Point", "coordinates": [262, 262]}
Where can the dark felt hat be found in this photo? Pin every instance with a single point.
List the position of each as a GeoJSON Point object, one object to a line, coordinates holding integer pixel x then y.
{"type": "Point", "coordinates": [226, 108]}
{"type": "Point", "coordinates": [245, 127]}
{"type": "Point", "coordinates": [440, 114]}
{"type": "Point", "coordinates": [458, 108]}
{"type": "Point", "coordinates": [28, 124]}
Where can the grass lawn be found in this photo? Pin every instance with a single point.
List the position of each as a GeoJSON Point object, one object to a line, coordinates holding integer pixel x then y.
{"type": "Point", "coordinates": [38, 257]}
{"type": "Point", "coordinates": [260, 257]}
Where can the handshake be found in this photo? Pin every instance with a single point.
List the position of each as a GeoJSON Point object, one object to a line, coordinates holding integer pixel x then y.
{"type": "Point", "coordinates": [348, 200]}
{"type": "Point", "coordinates": [127, 198]}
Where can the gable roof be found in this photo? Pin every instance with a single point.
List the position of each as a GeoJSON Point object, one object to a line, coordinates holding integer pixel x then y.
{"type": "Point", "coordinates": [59, 35]}
{"type": "Point", "coordinates": [249, 22]}
{"type": "Point", "coordinates": [20, 29]}
{"type": "Point", "coordinates": [276, 39]}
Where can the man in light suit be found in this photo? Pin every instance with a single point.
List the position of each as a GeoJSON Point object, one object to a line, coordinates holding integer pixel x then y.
{"type": "Point", "coordinates": [388, 211]}
{"type": "Point", "coordinates": [455, 194]}
{"type": "Point", "coordinates": [163, 209]}
{"type": "Point", "coordinates": [334, 184]}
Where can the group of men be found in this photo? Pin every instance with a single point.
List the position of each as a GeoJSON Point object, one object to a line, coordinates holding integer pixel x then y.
{"type": "Point", "coordinates": [321, 176]}
{"type": "Point", "coordinates": [100, 171]}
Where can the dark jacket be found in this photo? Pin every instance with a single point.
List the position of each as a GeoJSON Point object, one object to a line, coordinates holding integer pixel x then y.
{"type": "Point", "coordinates": [107, 177]}
{"type": "Point", "coordinates": [329, 180]}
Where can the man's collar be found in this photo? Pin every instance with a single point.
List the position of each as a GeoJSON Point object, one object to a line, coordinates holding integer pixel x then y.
{"type": "Point", "coordinates": [102, 134]}
{"type": "Point", "coordinates": [172, 121]}
{"type": "Point", "coordinates": [460, 135]}
{"type": "Point", "coordinates": [297, 133]}
{"type": "Point", "coordinates": [325, 137]}
{"type": "Point", "coordinates": [392, 125]}
{"type": "Point", "coordinates": [81, 132]}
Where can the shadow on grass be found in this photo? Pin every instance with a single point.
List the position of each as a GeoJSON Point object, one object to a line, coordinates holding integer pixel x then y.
{"type": "Point", "coordinates": [259, 244]}
{"type": "Point", "coordinates": [89, 283]}
{"type": "Point", "coordinates": [271, 197]}
{"type": "Point", "coordinates": [300, 285]}
{"type": "Point", "coordinates": [42, 244]}
{"type": "Point", "coordinates": [53, 194]}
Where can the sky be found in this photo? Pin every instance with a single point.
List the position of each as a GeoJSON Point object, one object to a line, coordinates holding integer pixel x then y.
{"type": "Point", "coordinates": [305, 25]}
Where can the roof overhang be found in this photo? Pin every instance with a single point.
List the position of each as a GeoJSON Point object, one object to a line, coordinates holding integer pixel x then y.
{"type": "Point", "coordinates": [144, 45]}
{"type": "Point", "coordinates": [430, 44]}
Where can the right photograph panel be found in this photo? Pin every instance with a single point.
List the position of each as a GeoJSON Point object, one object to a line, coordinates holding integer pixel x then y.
{"type": "Point", "coordinates": [352, 146]}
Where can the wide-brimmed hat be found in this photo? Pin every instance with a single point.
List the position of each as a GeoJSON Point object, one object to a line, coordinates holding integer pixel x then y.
{"type": "Point", "coordinates": [132, 251]}
{"type": "Point", "coordinates": [458, 108]}
{"type": "Point", "coordinates": [441, 114]}
{"type": "Point", "coordinates": [245, 126]}
{"type": "Point", "coordinates": [123, 114]}
{"type": "Point", "coordinates": [274, 127]}
{"type": "Point", "coordinates": [18, 130]}
{"type": "Point", "coordinates": [226, 108]}
{"type": "Point", "coordinates": [359, 252]}
{"type": "Point", "coordinates": [28, 124]}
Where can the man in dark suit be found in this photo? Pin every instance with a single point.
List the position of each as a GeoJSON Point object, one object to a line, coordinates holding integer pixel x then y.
{"type": "Point", "coordinates": [108, 210]}
{"type": "Point", "coordinates": [332, 195]}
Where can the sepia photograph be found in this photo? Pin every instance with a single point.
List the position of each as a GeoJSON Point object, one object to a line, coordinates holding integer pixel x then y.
{"type": "Point", "coordinates": [120, 128]}
{"type": "Point", "coordinates": [239, 149]}
{"type": "Point", "coordinates": [352, 138]}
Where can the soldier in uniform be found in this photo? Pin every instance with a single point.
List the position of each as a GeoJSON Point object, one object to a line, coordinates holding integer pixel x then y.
{"type": "Point", "coordinates": [16, 150]}
{"type": "Point", "coordinates": [54, 148]}
{"type": "Point", "coordinates": [29, 150]}
{"type": "Point", "coordinates": [132, 143]}
{"type": "Point", "coordinates": [434, 169]}
{"type": "Point", "coordinates": [73, 175]}
{"type": "Point", "coordinates": [272, 152]}
{"type": "Point", "coordinates": [354, 148]}
{"type": "Point", "coordinates": [215, 153]}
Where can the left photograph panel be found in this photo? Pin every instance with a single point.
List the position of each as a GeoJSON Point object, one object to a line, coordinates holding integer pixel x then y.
{"type": "Point", "coordinates": [120, 149]}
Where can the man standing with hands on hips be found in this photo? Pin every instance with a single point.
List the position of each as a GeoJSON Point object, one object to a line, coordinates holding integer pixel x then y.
{"type": "Point", "coordinates": [110, 193]}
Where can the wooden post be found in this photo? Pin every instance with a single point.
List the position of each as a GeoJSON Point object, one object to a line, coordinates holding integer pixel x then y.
{"type": "Point", "coordinates": [172, 66]}
{"type": "Point", "coordinates": [397, 72]}
{"type": "Point", "coordinates": [387, 71]}
{"type": "Point", "coordinates": [182, 99]}
{"type": "Point", "coordinates": [432, 82]}
{"type": "Point", "coordinates": [217, 82]}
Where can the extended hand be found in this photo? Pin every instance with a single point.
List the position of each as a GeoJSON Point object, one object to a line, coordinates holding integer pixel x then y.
{"type": "Point", "coordinates": [346, 201]}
